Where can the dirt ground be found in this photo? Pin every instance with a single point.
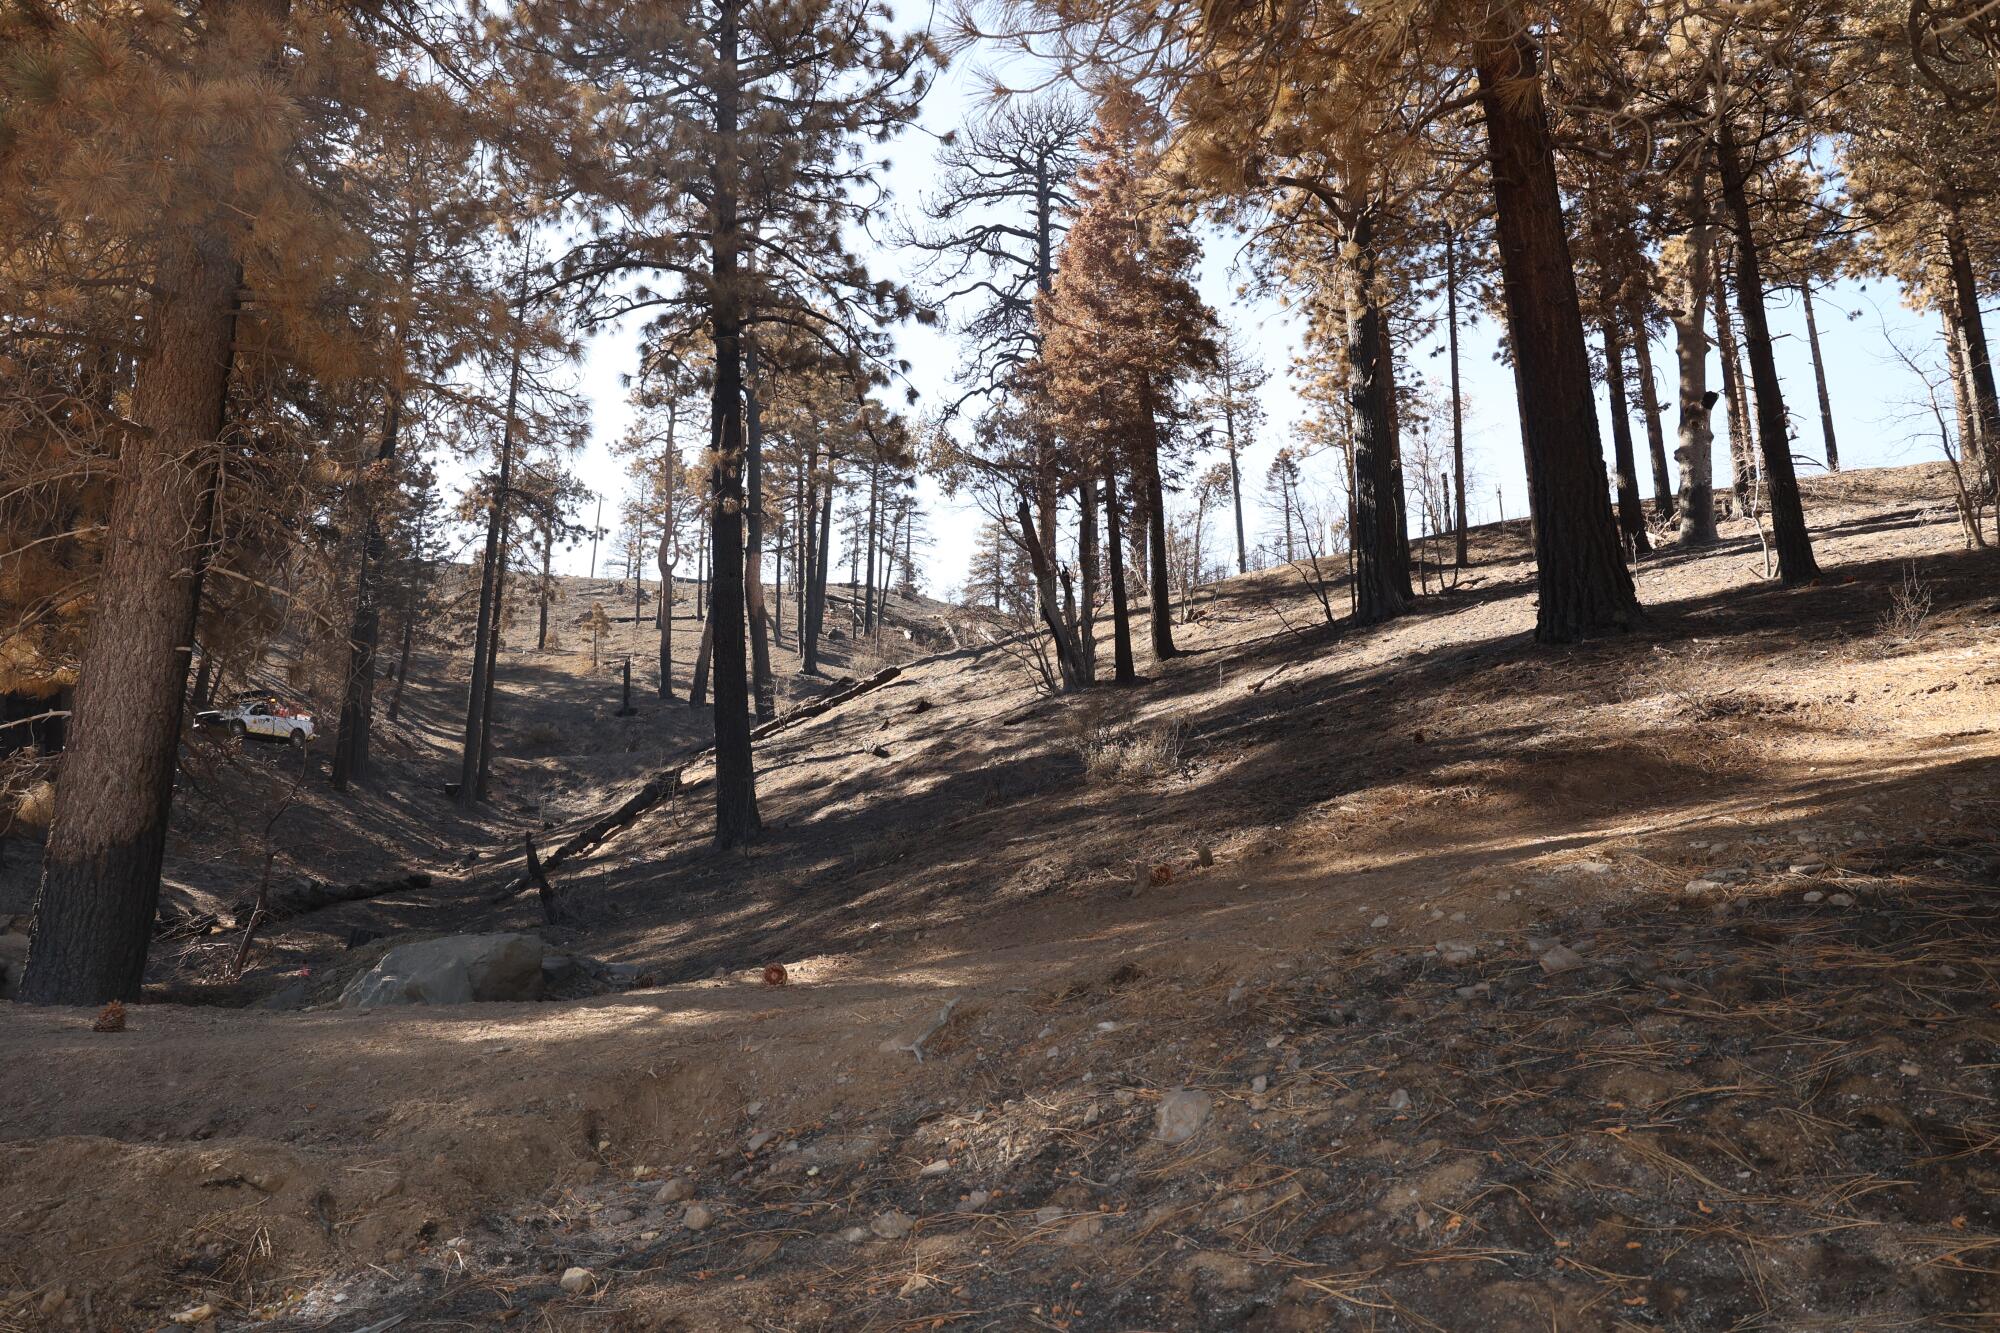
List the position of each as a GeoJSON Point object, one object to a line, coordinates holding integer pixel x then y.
{"type": "Point", "coordinates": [1648, 984]}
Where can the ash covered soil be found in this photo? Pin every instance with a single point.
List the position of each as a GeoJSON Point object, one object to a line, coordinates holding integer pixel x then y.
{"type": "Point", "coordinates": [1409, 978]}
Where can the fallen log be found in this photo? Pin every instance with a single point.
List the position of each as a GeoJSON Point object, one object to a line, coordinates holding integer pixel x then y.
{"type": "Point", "coordinates": [668, 782]}
{"type": "Point", "coordinates": [305, 894]}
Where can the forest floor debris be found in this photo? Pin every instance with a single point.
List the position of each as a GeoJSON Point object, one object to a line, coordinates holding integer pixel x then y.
{"type": "Point", "coordinates": [1734, 1108]}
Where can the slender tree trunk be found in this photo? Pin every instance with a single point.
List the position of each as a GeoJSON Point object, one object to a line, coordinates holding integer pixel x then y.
{"type": "Point", "coordinates": [802, 560]}
{"type": "Point", "coordinates": [764, 685]}
{"type": "Point", "coordinates": [1580, 573]}
{"type": "Point", "coordinates": [1631, 509]}
{"type": "Point", "coordinates": [1087, 560]}
{"type": "Point", "coordinates": [1958, 365]}
{"type": "Point", "coordinates": [1741, 466]}
{"type": "Point", "coordinates": [1819, 380]}
{"type": "Point", "coordinates": [1123, 672]}
{"type": "Point", "coordinates": [403, 664]}
{"type": "Point", "coordinates": [544, 593]}
{"type": "Point", "coordinates": [872, 537]}
{"type": "Point", "coordinates": [350, 741]}
{"type": "Point", "coordinates": [736, 818]}
{"type": "Point", "coordinates": [816, 597]}
{"type": "Point", "coordinates": [1649, 404]}
{"type": "Point", "coordinates": [703, 658]}
{"type": "Point", "coordinates": [1381, 568]}
{"type": "Point", "coordinates": [1161, 602]}
{"type": "Point", "coordinates": [778, 582]}
{"type": "Point", "coordinates": [1461, 534]}
{"type": "Point", "coordinates": [489, 570]}
{"type": "Point", "coordinates": [1400, 525]}
{"type": "Point", "coordinates": [1972, 334]}
{"type": "Point", "coordinates": [100, 883]}
{"type": "Point", "coordinates": [1694, 446]}
{"type": "Point", "coordinates": [487, 713]}
{"type": "Point", "coordinates": [1781, 486]}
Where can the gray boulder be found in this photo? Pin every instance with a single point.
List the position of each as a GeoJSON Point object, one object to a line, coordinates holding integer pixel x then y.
{"type": "Point", "coordinates": [454, 969]}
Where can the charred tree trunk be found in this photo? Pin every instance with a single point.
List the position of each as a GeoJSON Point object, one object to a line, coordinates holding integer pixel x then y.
{"type": "Point", "coordinates": [1460, 533]}
{"type": "Point", "coordinates": [1977, 351]}
{"type": "Point", "coordinates": [736, 818]}
{"type": "Point", "coordinates": [1819, 380]}
{"type": "Point", "coordinates": [1122, 670]}
{"type": "Point", "coordinates": [1580, 572]}
{"type": "Point", "coordinates": [403, 664]}
{"type": "Point", "coordinates": [1087, 576]}
{"type": "Point", "coordinates": [487, 713]}
{"type": "Point", "coordinates": [816, 595]}
{"type": "Point", "coordinates": [1160, 603]}
{"type": "Point", "coordinates": [698, 685]}
{"type": "Point", "coordinates": [1742, 468]}
{"type": "Point", "coordinates": [1631, 509]}
{"type": "Point", "coordinates": [100, 884]}
{"type": "Point", "coordinates": [1664, 503]}
{"type": "Point", "coordinates": [350, 741]}
{"type": "Point", "coordinates": [1381, 568]}
{"type": "Point", "coordinates": [765, 687]}
{"type": "Point", "coordinates": [1781, 484]}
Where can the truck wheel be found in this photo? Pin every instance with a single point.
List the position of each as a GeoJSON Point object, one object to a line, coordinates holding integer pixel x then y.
{"type": "Point", "coordinates": [298, 739]}
{"type": "Point", "coordinates": [236, 729]}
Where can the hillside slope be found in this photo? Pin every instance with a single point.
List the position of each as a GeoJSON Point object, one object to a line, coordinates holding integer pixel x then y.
{"type": "Point", "coordinates": [1645, 984]}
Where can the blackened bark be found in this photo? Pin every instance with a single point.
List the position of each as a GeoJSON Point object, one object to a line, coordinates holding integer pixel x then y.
{"type": "Point", "coordinates": [487, 712]}
{"type": "Point", "coordinates": [1819, 381]}
{"type": "Point", "coordinates": [765, 685]}
{"type": "Point", "coordinates": [1631, 509]}
{"type": "Point", "coordinates": [703, 656]}
{"type": "Point", "coordinates": [1087, 571]}
{"type": "Point", "coordinates": [1381, 559]}
{"type": "Point", "coordinates": [1972, 337]}
{"type": "Point", "coordinates": [1664, 491]}
{"type": "Point", "coordinates": [1122, 670]}
{"type": "Point", "coordinates": [403, 664]}
{"type": "Point", "coordinates": [736, 818]}
{"type": "Point", "coordinates": [1781, 483]}
{"type": "Point", "coordinates": [1584, 585]}
{"type": "Point", "coordinates": [100, 885]}
{"type": "Point", "coordinates": [1161, 603]}
{"type": "Point", "coordinates": [1460, 535]}
{"type": "Point", "coordinates": [1742, 468]}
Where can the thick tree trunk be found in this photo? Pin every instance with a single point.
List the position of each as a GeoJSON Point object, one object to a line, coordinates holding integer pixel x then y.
{"type": "Point", "coordinates": [1649, 404]}
{"type": "Point", "coordinates": [1694, 447]}
{"type": "Point", "coordinates": [1460, 534]}
{"type": "Point", "coordinates": [1781, 485]}
{"type": "Point", "coordinates": [736, 818]}
{"type": "Point", "coordinates": [765, 686]}
{"type": "Point", "coordinates": [1122, 670]}
{"type": "Point", "coordinates": [1631, 509]}
{"type": "Point", "coordinates": [1381, 565]}
{"type": "Point", "coordinates": [1819, 380]}
{"type": "Point", "coordinates": [350, 741]}
{"type": "Point", "coordinates": [1581, 576]}
{"type": "Point", "coordinates": [101, 868]}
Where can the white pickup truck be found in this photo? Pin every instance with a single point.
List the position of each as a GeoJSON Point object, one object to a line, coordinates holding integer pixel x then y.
{"type": "Point", "coordinates": [261, 715]}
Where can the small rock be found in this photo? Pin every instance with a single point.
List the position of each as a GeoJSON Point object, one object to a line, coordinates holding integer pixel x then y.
{"type": "Point", "coordinates": [1259, 1084]}
{"type": "Point", "coordinates": [1807, 867]}
{"type": "Point", "coordinates": [576, 1281]}
{"type": "Point", "coordinates": [973, 1202]}
{"type": "Point", "coordinates": [615, 1217]}
{"type": "Point", "coordinates": [1399, 1100]}
{"type": "Point", "coordinates": [1086, 1228]}
{"type": "Point", "coordinates": [1840, 900]}
{"type": "Point", "coordinates": [1457, 953]}
{"type": "Point", "coordinates": [935, 1169]}
{"type": "Point", "coordinates": [1558, 959]}
{"type": "Point", "coordinates": [1813, 897]}
{"type": "Point", "coordinates": [678, 1190]}
{"type": "Point", "coordinates": [1594, 867]}
{"type": "Point", "coordinates": [1473, 992]}
{"type": "Point", "coordinates": [753, 1110]}
{"type": "Point", "coordinates": [759, 1139]}
{"type": "Point", "coordinates": [854, 1235]}
{"type": "Point", "coordinates": [698, 1217]}
{"type": "Point", "coordinates": [1701, 888]}
{"type": "Point", "coordinates": [1908, 1070]}
{"type": "Point", "coordinates": [892, 1225]}
{"type": "Point", "coordinates": [1378, 923]}
{"type": "Point", "coordinates": [1181, 1115]}
{"type": "Point", "coordinates": [1048, 1213]}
